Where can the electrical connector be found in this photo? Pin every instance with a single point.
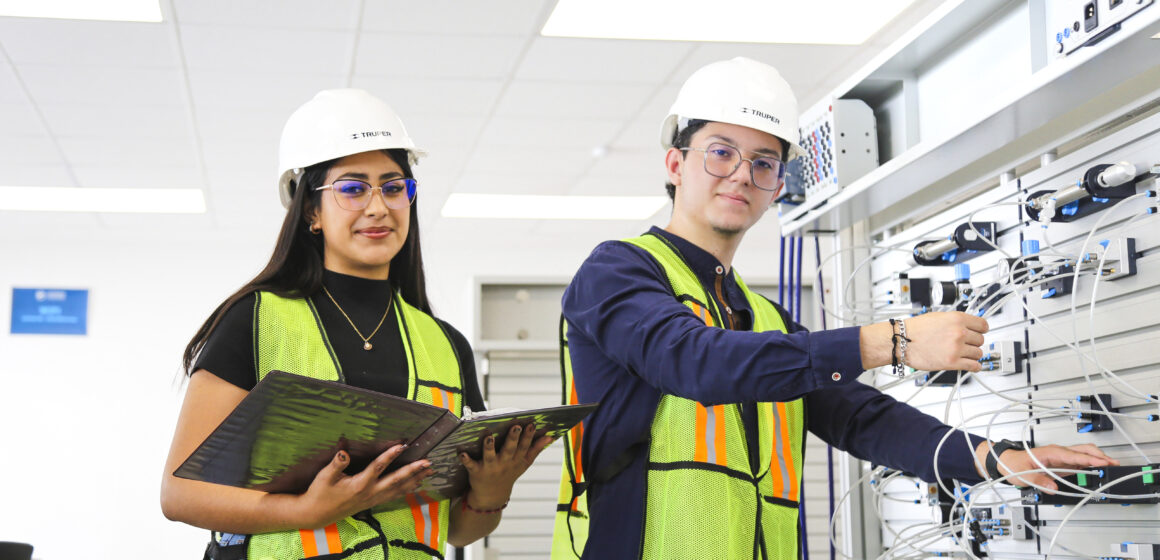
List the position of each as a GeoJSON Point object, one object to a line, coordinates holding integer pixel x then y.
{"type": "Point", "coordinates": [1134, 551]}
{"type": "Point", "coordinates": [1004, 357]}
{"type": "Point", "coordinates": [1091, 412]}
{"type": "Point", "coordinates": [1119, 258]}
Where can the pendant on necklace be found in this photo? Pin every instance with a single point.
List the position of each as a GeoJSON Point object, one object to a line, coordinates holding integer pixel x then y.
{"type": "Point", "coordinates": [367, 345]}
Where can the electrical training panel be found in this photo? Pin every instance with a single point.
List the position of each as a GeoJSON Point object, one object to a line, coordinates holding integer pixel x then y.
{"type": "Point", "coordinates": [1056, 244]}
{"type": "Point", "coordinates": [1072, 298]}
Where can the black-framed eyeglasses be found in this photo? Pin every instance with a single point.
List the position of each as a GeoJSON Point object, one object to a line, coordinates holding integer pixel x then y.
{"type": "Point", "coordinates": [722, 160]}
{"type": "Point", "coordinates": [352, 194]}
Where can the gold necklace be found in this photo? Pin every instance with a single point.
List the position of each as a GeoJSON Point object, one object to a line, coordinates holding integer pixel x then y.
{"type": "Point", "coordinates": [366, 339]}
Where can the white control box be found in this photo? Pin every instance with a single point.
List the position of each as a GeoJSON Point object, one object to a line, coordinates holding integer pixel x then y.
{"type": "Point", "coordinates": [840, 137]}
{"type": "Point", "coordinates": [1072, 24]}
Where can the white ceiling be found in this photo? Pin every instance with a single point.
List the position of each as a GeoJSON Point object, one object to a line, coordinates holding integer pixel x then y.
{"type": "Point", "coordinates": [199, 101]}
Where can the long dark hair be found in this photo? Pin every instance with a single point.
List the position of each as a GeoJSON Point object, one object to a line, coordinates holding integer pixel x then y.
{"type": "Point", "coordinates": [295, 268]}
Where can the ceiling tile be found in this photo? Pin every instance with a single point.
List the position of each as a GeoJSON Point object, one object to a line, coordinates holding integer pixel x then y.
{"type": "Point", "coordinates": [800, 65]}
{"type": "Point", "coordinates": [142, 121]}
{"type": "Point", "coordinates": [645, 130]}
{"type": "Point", "coordinates": [443, 17]}
{"type": "Point", "coordinates": [10, 89]}
{"type": "Point", "coordinates": [21, 223]}
{"type": "Point", "coordinates": [547, 161]}
{"type": "Point", "coordinates": [428, 130]}
{"type": "Point", "coordinates": [30, 150]}
{"type": "Point", "coordinates": [160, 225]}
{"type": "Point", "coordinates": [601, 60]}
{"type": "Point", "coordinates": [240, 165]}
{"type": "Point", "coordinates": [414, 96]}
{"type": "Point", "coordinates": [88, 43]}
{"type": "Point", "coordinates": [612, 185]}
{"type": "Point", "coordinates": [398, 55]}
{"type": "Point", "coordinates": [551, 99]}
{"type": "Point", "coordinates": [272, 92]}
{"type": "Point", "coordinates": [212, 47]}
{"type": "Point", "coordinates": [221, 124]}
{"type": "Point", "coordinates": [92, 86]}
{"type": "Point", "coordinates": [630, 164]}
{"type": "Point", "coordinates": [142, 174]}
{"type": "Point", "coordinates": [127, 150]}
{"type": "Point", "coordinates": [584, 134]}
{"type": "Point", "coordinates": [20, 119]}
{"type": "Point", "coordinates": [288, 14]}
{"type": "Point", "coordinates": [46, 175]}
{"type": "Point", "coordinates": [478, 182]}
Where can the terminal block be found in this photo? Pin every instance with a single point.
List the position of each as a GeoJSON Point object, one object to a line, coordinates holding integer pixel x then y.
{"type": "Point", "coordinates": [1092, 412]}
{"type": "Point", "coordinates": [1119, 261]}
{"type": "Point", "coordinates": [1134, 551]}
{"type": "Point", "coordinates": [1003, 357]}
{"type": "Point", "coordinates": [1123, 480]}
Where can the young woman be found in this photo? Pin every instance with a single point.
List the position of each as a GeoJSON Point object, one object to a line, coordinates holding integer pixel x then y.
{"type": "Point", "coordinates": [342, 298]}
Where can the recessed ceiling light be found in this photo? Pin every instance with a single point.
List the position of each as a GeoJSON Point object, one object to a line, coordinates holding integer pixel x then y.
{"type": "Point", "coordinates": [837, 22]}
{"type": "Point", "coordinates": [540, 207]}
{"type": "Point", "coordinates": [106, 200]}
{"type": "Point", "coordinates": [104, 10]}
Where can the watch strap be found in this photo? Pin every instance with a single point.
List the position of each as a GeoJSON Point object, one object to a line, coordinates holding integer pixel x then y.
{"type": "Point", "coordinates": [991, 463]}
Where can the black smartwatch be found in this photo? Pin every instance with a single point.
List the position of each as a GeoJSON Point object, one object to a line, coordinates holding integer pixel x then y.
{"type": "Point", "coordinates": [991, 463]}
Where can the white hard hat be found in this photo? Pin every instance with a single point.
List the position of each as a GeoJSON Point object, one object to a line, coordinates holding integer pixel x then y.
{"type": "Point", "coordinates": [338, 123]}
{"type": "Point", "coordinates": [740, 91]}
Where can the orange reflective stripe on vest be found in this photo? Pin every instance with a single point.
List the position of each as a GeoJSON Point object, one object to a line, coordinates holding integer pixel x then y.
{"type": "Point", "coordinates": [783, 470]}
{"type": "Point", "coordinates": [710, 444]}
{"type": "Point", "coordinates": [701, 313]}
{"type": "Point", "coordinates": [426, 514]}
{"type": "Point", "coordinates": [443, 398]}
{"type": "Point", "coordinates": [577, 442]}
{"type": "Point", "coordinates": [316, 542]}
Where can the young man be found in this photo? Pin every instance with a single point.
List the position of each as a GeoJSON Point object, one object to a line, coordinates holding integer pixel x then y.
{"type": "Point", "coordinates": [707, 389]}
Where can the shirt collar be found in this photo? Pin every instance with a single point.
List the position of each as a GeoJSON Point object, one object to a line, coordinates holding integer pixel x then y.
{"type": "Point", "coordinates": [702, 262]}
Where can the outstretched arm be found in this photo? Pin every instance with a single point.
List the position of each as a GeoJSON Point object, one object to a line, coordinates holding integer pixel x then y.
{"type": "Point", "coordinates": [1050, 456]}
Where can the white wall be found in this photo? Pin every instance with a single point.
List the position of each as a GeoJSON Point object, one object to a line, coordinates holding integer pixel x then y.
{"type": "Point", "coordinates": [85, 421]}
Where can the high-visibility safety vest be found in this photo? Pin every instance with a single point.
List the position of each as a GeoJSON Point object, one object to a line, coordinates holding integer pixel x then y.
{"type": "Point", "coordinates": [702, 499]}
{"type": "Point", "coordinates": [289, 336]}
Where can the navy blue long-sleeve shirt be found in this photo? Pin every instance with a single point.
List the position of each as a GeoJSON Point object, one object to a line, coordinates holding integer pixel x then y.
{"type": "Point", "coordinates": [631, 342]}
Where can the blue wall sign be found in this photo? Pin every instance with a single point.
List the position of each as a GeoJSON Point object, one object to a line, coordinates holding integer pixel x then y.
{"type": "Point", "coordinates": [49, 311]}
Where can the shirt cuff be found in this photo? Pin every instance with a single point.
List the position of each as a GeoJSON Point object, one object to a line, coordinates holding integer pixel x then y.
{"type": "Point", "coordinates": [836, 355]}
{"type": "Point", "coordinates": [956, 459]}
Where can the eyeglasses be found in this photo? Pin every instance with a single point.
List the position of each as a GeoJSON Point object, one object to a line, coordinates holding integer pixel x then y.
{"type": "Point", "coordinates": [352, 194]}
{"type": "Point", "coordinates": [722, 160]}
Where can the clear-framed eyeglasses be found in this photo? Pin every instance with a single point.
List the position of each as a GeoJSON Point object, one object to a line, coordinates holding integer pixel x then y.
{"type": "Point", "coordinates": [722, 160]}
{"type": "Point", "coordinates": [352, 194]}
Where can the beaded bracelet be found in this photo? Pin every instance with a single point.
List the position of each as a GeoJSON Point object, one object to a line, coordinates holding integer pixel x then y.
{"type": "Point", "coordinates": [902, 340]}
{"type": "Point", "coordinates": [898, 342]}
{"type": "Point", "coordinates": [467, 507]}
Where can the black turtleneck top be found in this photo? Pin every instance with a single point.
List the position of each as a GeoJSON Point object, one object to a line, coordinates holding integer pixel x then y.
{"type": "Point", "coordinates": [229, 351]}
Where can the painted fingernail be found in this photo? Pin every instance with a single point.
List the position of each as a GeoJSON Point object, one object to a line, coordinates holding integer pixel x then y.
{"type": "Point", "coordinates": [516, 430]}
{"type": "Point", "coordinates": [490, 440]}
{"type": "Point", "coordinates": [341, 456]}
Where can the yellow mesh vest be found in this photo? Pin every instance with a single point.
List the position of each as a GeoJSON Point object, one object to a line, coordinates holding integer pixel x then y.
{"type": "Point", "coordinates": [288, 336]}
{"type": "Point", "coordinates": [702, 499]}
{"type": "Point", "coordinates": [571, 527]}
